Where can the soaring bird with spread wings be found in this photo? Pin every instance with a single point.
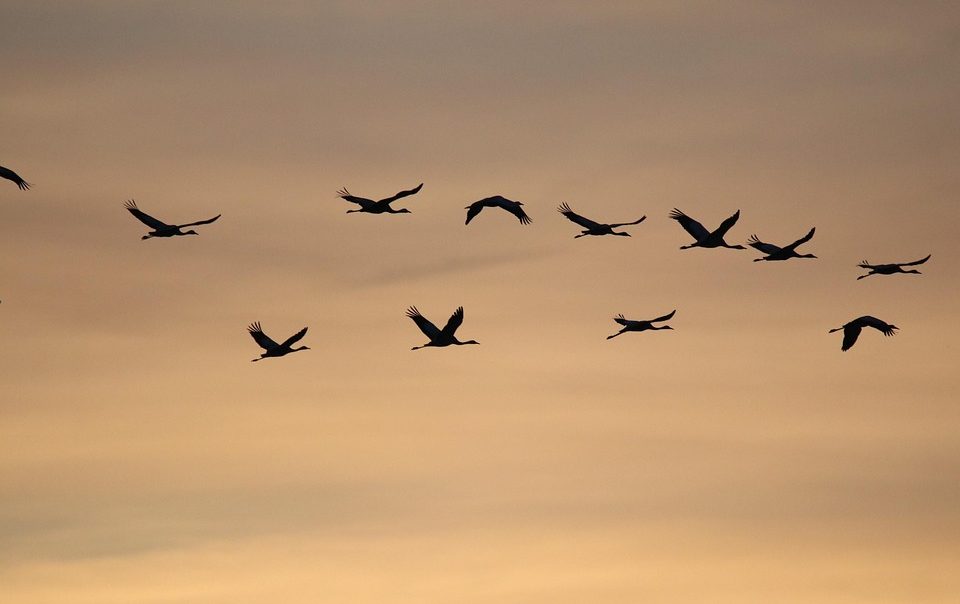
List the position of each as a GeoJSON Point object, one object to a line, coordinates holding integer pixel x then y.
{"type": "Point", "coordinates": [378, 207]}
{"type": "Point", "coordinates": [514, 207]}
{"type": "Point", "coordinates": [890, 269]}
{"type": "Point", "coordinates": [439, 337]}
{"type": "Point", "coordinates": [594, 228]}
{"type": "Point", "coordinates": [851, 330]}
{"type": "Point", "coordinates": [705, 238]}
{"type": "Point", "coordinates": [775, 252]}
{"type": "Point", "coordinates": [13, 176]}
{"type": "Point", "coordinates": [162, 229]}
{"type": "Point", "coordinates": [631, 325]}
{"type": "Point", "coordinates": [271, 348]}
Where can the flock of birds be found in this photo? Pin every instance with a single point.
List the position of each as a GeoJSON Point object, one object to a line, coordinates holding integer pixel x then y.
{"type": "Point", "coordinates": [447, 336]}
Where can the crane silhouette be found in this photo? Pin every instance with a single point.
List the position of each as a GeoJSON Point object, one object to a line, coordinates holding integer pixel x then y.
{"type": "Point", "coordinates": [705, 238]}
{"type": "Point", "coordinates": [851, 330]}
{"type": "Point", "coordinates": [631, 325]}
{"type": "Point", "coordinates": [271, 348]}
{"type": "Point", "coordinates": [162, 229]}
{"type": "Point", "coordinates": [439, 337]}
{"type": "Point", "coordinates": [774, 252]}
{"type": "Point", "coordinates": [498, 202]}
{"type": "Point", "coordinates": [890, 269]}
{"type": "Point", "coordinates": [594, 228]}
{"type": "Point", "coordinates": [378, 207]}
{"type": "Point", "coordinates": [13, 176]}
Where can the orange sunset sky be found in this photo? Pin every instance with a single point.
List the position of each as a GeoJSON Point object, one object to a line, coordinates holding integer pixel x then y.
{"type": "Point", "coordinates": [740, 458]}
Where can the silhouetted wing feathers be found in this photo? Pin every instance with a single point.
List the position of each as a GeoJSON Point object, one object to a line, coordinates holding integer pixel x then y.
{"type": "Point", "coordinates": [726, 224]}
{"type": "Point", "coordinates": [346, 196]}
{"type": "Point", "coordinates": [13, 176]}
{"type": "Point", "coordinates": [577, 218]}
{"type": "Point", "coordinates": [294, 338]}
{"type": "Point", "coordinates": [143, 217]}
{"type": "Point", "coordinates": [454, 322]}
{"type": "Point", "coordinates": [623, 224]}
{"type": "Point", "coordinates": [207, 221]}
{"type": "Point", "coordinates": [429, 329]}
{"type": "Point", "coordinates": [401, 194]}
{"type": "Point", "coordinates": [696, 230]}
{"type": "Point", "coordinates": [666, 317]}
{"type": "Point", "coordinates": [766, 248]}
{"type": "Point", "coordinates": [881, 326]}
{"type": "Point", "coordinates": [916, 262]}
{"type": "Point", "coordinates": [850, 335]}
{"type": "Point", "coordinates": [802, 240]}
{"type": "Point", "coordinates": [262, 339]}
{"type": "Point", "coordinates": [621, 319]}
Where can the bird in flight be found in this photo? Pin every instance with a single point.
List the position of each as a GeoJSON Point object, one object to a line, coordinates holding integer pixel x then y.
{"type": "Point", "coordinates": [271, 348]}
{"type": "Point", "coordinates": [439, 337]}
{"type": "Point", "coordinates": [13, 176]}
{"type": "Point", "coordinates": [774, 252]}
{"type": "Point", "coordinates": [631, 325]}
{"type": "Point", "coordinates": [890, 269]}
{"type": "Point", "coordinates": [162, 229]}
{"type": "Point", "coordinates": [378, 207]}
{"type": "Point", "coordinates": [498, 202]}
{"type": "Point", "coordinates": [851, 330]}
{"type": "Point", "coordinates": [705, 238]}
{"type": "Point", "coordinates": [594, 228]}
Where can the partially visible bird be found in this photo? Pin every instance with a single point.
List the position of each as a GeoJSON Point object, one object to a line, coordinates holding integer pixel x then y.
{"type": "Point", "coordinates": [439, 337]}
{"type": "Point", "coordinates": [498, 202]}
{"type": "Point", "coordinates": [774, 252]}
{"type": "Point", "coordinates": [890, 269]}
{"type": "Point", "coordinates": [378, 207]}
{"type": "Point", "coordinates": [271, 348]}
{"type": "Point", "coordinates": [594, 228]}
{"type": "Point", "coordinates": [631, 325]}
{"type": "Point", "coordinates": [162, 229]}
{"type": "Point", "coordinates": [705, 238]}
{"type": "Point", "coordinates": [13, 176]}
{"type": "Point", "coordinates": [851, 330]}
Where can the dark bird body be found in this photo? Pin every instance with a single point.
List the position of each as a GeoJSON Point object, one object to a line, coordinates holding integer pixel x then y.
{"type": "Point", "coordinates": [162, 229]}
{"type": "Point", "coordinates": [439, 337]}
{"type": "Point", "coordinates": [890, 269]}
{"type": "Point", "coordinates": [381, 206]}
{"type": "Point", "coordinates": [271, 348]}
{"type": "Point", "coordinates": [851, 330]}
{"type": "Point", "coordinates": [13, 176]}
{"type": "Point", "coordinates": [594, 228]}
{"type": "Point", "coordinates": [631, 325]}
{"type": "Point", "coordinates": [705, 238]}
{"type": "Point", "coordinates": [774, 252]}
{"type": "Point", "coordinates": [514, 207]}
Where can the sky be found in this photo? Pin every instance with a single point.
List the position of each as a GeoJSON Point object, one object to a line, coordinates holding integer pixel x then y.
{"type": "Point", "coordinates": [741, 457]}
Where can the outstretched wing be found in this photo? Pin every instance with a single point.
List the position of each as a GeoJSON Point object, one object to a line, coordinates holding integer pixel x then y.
{"type": "Point", "coordinates": [881, 326]}
{"type": "Point", "coordinates": [802, 240]}
{"type": "Point", "coordinates": [621, 320]}
{"type": "Point", "coordinates": [473, 209]}
{"type": "Point", "coordinates": [916, 262]}
{"type": "Point", "coordinates": [623, 224]}
{"type": "Point", "coordinates": [262, 339]}
{"type": "Point", "coordinates": [766, 248]}
{"type": "Point", "coordinates": [429, 329]}
{"type": "Point", "coordinates": [143, 217]}
{"type": "Point", "coordinates": [207, 221]}
{"type": "Point", "coordinates": [850, 334]}
{"type": "Point", "coordinates": [401, 194]}
{"type": "Point", "coordinates": [294, 338]}
{"type": "Point", "coordinates": [866, 264]}
{"type": "Point", "coordinates": [666, 317]}
{"type": "Point", "coordinates": [513, 207]}
{"type": "Point", "coordinates": [13, 176]}
{"type": "Point", "coordinates": [577, 218]}
{"type": "Point", "coordinates": [726, 224]}
{"type": "Point", "coordinates": [362, 201]}
{"type": "Point", "coordinates": [454, 322]}
{"type": "Point", "coordinates": [696, 230]}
